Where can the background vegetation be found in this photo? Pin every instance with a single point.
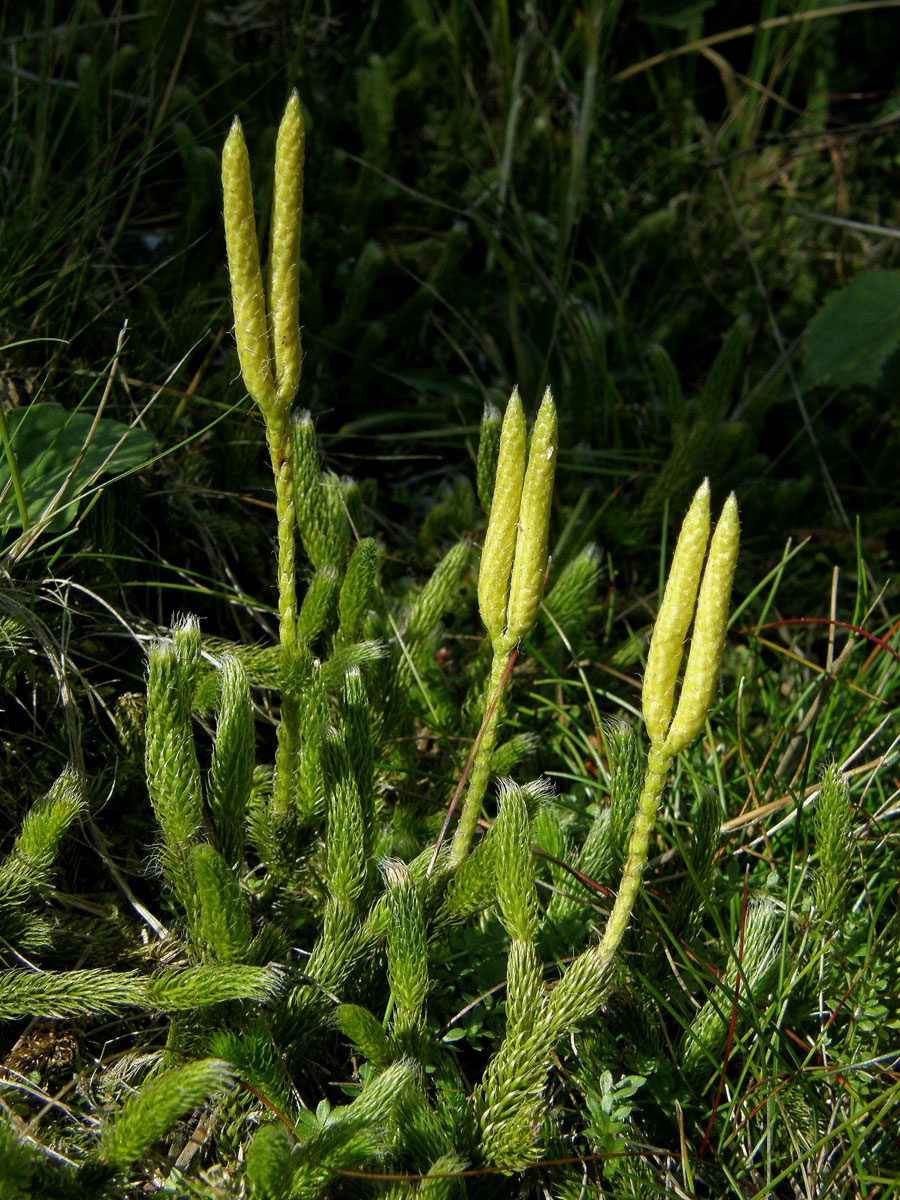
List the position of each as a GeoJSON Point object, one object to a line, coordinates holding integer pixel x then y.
{"type": "Point", "coordinates": [686, 224]}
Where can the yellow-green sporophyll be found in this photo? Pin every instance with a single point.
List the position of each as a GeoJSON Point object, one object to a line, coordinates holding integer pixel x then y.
{"type": "Point", "coordinates": [500, 536]}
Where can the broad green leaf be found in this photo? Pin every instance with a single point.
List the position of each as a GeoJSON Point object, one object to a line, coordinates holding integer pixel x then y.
{"type": "Point", "coordinates": [48, 442]}
{"type": "Point", "coordinates": [855, 332]}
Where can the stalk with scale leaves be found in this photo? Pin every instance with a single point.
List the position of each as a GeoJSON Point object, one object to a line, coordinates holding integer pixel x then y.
{"type": "Point", "coordinates": [511, 579]}
{"type": "Point", "coordinates": [267, 331]}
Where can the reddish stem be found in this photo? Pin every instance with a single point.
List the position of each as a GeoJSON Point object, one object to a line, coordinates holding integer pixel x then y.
{"type": "Point", "coordinates": [823, 621]}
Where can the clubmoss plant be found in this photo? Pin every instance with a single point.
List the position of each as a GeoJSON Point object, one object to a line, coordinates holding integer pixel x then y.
{"type": "Point", "coordinates": [284, 936]}
{"type": "Point", "coordinates": [505, 1108]}
{"type": "Point", "coordinates": [508, 1104]}
{"type": "Point", "coordinates": [267, 331]}
{"type": "Point", "coordinates": [148, 1114]}
{"type": "Point", "coordinates": [229, 849]}
{"type": "Point", "coordinates": [833, 845]}
{"type": "Point", "coordinates": [511, 579]}
{"type": "Point", "coordinates": [291, 909]}
{"type": "Point", "coordinates": [669, 737]}
{"type": "Point", "coordinates": [173, 772]}
{"type": "Point", "coordinates": [26, 868]}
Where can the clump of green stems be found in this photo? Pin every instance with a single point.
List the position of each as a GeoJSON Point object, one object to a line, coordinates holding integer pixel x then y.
{"type": "Point", "coordinates": [232, 836]}
{"type": "Point", "coordinates": [514, 563]}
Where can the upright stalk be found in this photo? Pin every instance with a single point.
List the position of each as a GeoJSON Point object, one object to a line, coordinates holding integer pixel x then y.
{"type": "Point", "coordinates": [481, 763]}
{"type": "Point", "coordinates": [267, 331]}
{"type": "Point", "coordinates": [638, 847]}
{"type": "Point", "coordinates": [685, 591]}
{"type": "Point", "coordinates": [687, 599]}
{"type": "Point", "coordinates": [281, 451]}
{"type": "Point", "coordinates": [511, 579]}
